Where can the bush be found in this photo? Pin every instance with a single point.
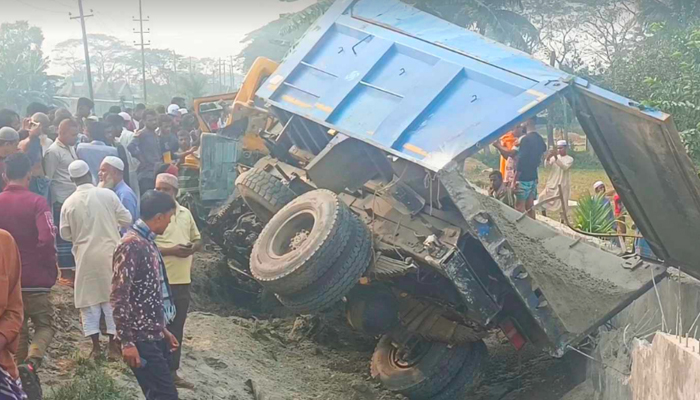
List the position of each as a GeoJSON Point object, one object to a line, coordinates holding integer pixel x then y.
{"type": "Point", "coordinates": [594, 214]}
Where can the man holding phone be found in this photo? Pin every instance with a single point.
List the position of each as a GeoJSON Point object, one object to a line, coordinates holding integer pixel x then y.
{"type": "Point", "coordinates": [178, 244]}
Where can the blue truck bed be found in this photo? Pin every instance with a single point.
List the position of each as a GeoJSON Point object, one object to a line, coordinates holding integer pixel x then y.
{"type": "Point", "coordinates": [433, 93]}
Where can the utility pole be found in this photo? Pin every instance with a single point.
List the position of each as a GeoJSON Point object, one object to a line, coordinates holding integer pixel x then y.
{"type": "Point", "coordinates": [141, 32]}
{"type": "Point", "coordinates": [233, 83]}
{"type": "Point", "coordinates": [85, 46]}
{"type": "Point", "coordinates": [175, 71]}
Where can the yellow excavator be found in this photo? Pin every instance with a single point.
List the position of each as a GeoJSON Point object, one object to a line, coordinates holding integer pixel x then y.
{"type": "Point", "coordinates": [231, 125]}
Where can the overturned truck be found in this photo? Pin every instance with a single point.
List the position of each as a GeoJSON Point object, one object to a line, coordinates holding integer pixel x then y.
{"type": "Point", "coordinates": [363, 200]}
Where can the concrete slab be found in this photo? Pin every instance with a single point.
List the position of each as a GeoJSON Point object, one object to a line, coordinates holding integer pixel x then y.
{"type": "Point", "coordinates": [667, 369]}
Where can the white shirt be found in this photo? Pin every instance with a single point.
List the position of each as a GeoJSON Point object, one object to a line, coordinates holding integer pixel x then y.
{"type": "Point", "coordinates": [56, 161]}
{"type": "Point", "coordinates": [126, 137]}
{"type": "Point", "coordinates": [91, 218]}
{"type": "Point", "coordinates": [560, 175]}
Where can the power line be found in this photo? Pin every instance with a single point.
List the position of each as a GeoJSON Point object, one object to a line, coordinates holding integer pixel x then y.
{"type": "Point", "coordinates": [38, 8]}
{"type": "Point", "coordinates": [141, 32]}
{"type": "Point", "coordinates": [82, 17]}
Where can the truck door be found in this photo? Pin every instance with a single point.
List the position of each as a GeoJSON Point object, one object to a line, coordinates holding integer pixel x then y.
{"type": "Point", "coordinates": [642, 153]}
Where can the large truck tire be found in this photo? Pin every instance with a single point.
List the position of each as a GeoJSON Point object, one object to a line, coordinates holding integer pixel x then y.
{"type": "Point", "coordinates": [340, 279]}
{"type": "Point", "coordinates": [426, 372]}
{"type": "Point", "coordinates": [264, 194]}
{"type": "Point", "coordinates": [301, 242]}
{"type": "Point", "coordinates": [464, 382]}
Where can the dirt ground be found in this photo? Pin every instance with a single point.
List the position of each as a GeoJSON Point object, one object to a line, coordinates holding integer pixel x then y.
{"type": "Point", "coordinates": [305, 358]}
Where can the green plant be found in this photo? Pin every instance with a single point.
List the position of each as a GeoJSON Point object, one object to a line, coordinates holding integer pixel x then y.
{"type": "Point", "coordinates": [594, 214]}
{"type": "Point", "coordinates": [90, 382]}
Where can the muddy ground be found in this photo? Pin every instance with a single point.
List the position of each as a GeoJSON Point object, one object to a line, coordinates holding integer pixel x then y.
{"type": "Point", "coordinates": [232, 336]}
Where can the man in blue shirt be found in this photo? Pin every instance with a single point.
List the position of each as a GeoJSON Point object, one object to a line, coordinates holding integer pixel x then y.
{"type": "Point", "coordinates": [94, 152]}
{"type": "Point", "coordinates": [112, 177]}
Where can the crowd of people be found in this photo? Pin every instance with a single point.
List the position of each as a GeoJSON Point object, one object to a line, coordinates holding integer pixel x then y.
{"type": "Point", "coordinates": [515, 184]}
{"type": "Point", "coordinates": [102, 200]}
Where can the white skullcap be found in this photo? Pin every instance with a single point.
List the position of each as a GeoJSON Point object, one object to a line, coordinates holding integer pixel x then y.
{"type": "Point", "coordinates": [168, 179]}
{"type": "Point", "coordinates": [115, 162]}
{"type": "Point", "coordinates": [562, 143]}
{"type": "Point", "coordinates": [78, 169]}
{"type": "Point", "coordinates": [125, 115]}
{"type": "Point", "coordinates": [173, 109]}
{"type": "Point", "coordinates": [8, 134]}
{"type": "Point", "coordinates": [598, 184]}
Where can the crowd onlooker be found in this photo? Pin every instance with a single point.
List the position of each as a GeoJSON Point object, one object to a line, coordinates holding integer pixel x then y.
{"type": "Point", "coordinates": [51, 163]}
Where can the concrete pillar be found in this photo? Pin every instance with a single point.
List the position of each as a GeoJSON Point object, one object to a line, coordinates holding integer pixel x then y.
{"type": "Point", "coordinates": [667, 369]}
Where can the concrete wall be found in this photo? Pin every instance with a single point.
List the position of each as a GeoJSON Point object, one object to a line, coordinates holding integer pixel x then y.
{"type": "Point", "coordinates": [667, 369]}
{"type": "Point", "coordinates": [680, 300]}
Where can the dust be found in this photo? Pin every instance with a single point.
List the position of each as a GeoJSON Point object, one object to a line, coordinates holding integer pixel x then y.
{"type": "Point", "coordinates": [577, 297]}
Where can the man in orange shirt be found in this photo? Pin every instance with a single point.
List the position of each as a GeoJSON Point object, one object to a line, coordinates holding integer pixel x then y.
{"type": "Point", "coordinates": [11, 317]}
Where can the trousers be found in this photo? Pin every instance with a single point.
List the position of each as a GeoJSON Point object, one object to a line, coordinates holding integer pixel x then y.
{"type": "Point", "coordinates": [39, 311]}
{"type": "Point", "coordinates": [154, 378]}
{"type": "Point", "coordinates": [181, 299]}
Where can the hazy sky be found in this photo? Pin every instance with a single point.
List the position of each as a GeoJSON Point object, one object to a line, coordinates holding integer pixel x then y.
{"type": "Point", "coordinates": [198, 28]}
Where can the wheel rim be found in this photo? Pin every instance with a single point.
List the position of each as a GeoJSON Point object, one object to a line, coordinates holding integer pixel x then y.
{"type": "Point", "coordinates": [293, 234]}
{"type": "Point", "coordinates": [409, 355]}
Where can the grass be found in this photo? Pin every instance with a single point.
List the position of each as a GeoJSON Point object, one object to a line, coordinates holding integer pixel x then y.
{"type": "Point", "coordinates": [90, 382]}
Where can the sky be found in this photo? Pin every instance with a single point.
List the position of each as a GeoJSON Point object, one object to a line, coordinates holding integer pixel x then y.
{"type": "Point", "coordinates": [196, 28]}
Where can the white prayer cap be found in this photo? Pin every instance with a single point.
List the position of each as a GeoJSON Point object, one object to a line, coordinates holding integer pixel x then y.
{"type": "Point", "coordinates": [562, 143]}
{"type": "Point", "coordinates": [115, 162]}
{"type": "Point", "coordinates": [173, 109]}
{"type": "Point", "coordinates": [125, 115]}
{"type": "Point", "coordinates": [78, 169]}
{"type": "Point", "coordinates": [168, 179]}
{"type": "Point", "coordinates": [598, 184]}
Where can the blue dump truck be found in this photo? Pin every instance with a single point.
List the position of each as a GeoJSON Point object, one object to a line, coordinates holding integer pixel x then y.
{"type": "Point", "coordinates": [363, 200]}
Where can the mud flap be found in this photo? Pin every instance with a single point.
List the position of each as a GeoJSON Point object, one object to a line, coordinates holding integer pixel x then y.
{"type": "Point", "coordinates": [568, 286]}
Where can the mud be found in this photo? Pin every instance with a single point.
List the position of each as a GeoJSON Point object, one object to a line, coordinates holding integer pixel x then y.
{"type": "Point", "coordinates": [575, 282]}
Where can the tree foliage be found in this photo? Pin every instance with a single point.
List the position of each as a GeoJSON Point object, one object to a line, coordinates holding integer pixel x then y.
{"type": "Point", "coordinates": [167, 73]}
{"type": "Point", "coordinates": [23, 76]}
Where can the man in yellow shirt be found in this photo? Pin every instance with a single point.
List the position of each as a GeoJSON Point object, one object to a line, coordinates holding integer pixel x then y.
{"type": "Point", "coordinates": [178, 244]}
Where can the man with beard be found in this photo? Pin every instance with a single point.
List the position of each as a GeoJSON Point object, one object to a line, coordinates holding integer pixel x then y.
{"type": "Point", "coordinates": [112, 177]}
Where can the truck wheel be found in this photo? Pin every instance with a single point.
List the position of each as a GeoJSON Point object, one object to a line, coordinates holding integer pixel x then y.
{"type": "Point", "coordinates": [419, 370]}
{"type": "Point", "coordinates": [264, 194]}
{"type": "Point", "coordinates": [462, 384]}
{"type": "Point", "coordinates": [339, 280]}
{"type": "Point", "coordinates": [301, 242]}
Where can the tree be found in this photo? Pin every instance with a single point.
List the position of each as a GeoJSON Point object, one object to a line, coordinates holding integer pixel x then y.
{"type": "Point", "coordinates": [501, 20]}
{"type": "Point", "coordinates": [677, 13]}
{"type": "Point", "coordinates": [23, 77]}
{"type": "Point", "coordinates": [108, 58]}
{"type": "Point", "coordinates": [498, 19]}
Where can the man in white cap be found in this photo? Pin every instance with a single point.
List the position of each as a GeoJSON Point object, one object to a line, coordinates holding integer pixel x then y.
{"type": "Point", "coordinates": [127, 136]}
{"type": "Point", "coordinates": [91, 219]}
{"type": "Point", "coordinates": [559, 176]}
{"type": "Point", "coordinates": [178, 244]}
{"type": "Point", "coordinates": [112, 177]}
{"type": "Point", "coordinates": [9, 139]}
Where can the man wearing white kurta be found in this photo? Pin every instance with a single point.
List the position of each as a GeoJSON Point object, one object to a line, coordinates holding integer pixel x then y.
{"type": "Point", "coordinates": [560, 175]}
{"type": "Point", "coordinates": [91, 218]}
